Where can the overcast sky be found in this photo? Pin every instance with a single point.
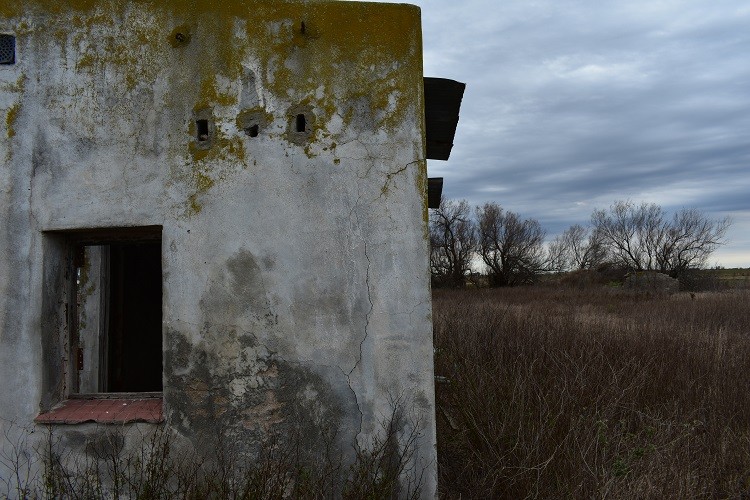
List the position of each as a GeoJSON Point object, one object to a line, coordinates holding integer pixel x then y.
{"type": "Point", "coordinates": [571, 105]}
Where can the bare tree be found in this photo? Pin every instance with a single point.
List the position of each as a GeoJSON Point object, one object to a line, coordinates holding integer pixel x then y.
{"type": "Point", "coordinates": [578, 247]}
{"type": "Point", "coordinates": [691, 239]}
{"type": "Point", "coordinates": [643, 237]}
{"type": "Point", "coordinates": [557, 257]}
{"type": "Point", "coordinates": [453, 241]}
{"type": "Point", "coordinates": [511, 247]}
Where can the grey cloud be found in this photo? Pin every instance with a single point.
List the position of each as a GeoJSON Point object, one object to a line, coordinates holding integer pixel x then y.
{"type": "Point", "coordinates": [571, 105]}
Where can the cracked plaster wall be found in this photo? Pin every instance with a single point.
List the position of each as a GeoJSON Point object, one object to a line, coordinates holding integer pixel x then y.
{"type": "Point", "coordinates": [295, 271]}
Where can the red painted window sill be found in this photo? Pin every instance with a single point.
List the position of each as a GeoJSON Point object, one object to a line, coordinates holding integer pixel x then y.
{"type": "Point", "coordinates": [106, 409]}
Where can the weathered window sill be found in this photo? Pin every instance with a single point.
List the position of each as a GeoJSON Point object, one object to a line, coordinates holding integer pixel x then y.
{"type": "Point", "coordinates": [106, 408]}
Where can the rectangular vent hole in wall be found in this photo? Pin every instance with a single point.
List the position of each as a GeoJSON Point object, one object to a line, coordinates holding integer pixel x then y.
{"type": "Point", "coordinates": [301, 123]}
{"type": "Point", "coordinates": [202, 129]}
{"type": "Point", "coordinates": [7, 49]}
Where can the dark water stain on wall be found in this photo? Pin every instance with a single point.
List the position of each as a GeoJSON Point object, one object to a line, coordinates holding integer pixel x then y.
{"type": "Point", "coordinates": [245, 401]}
{"type": "Point", "coordinates": [236, 293]}
{"type": "Point", "coordinates": [223, 385]}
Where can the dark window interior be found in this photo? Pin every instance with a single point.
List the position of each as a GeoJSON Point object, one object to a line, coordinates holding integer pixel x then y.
{"type": "Point", "coordinates": [134, 357]}
{"type": "Point", "coordinates": [202, 129]}
{"type": "Point", "coordinates": [300, 123]}
{"type": "Point", "coordinates": [116, 324]}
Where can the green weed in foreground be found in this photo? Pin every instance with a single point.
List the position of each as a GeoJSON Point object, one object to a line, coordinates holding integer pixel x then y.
{"type": "Point", "coordinates": [594, 393]}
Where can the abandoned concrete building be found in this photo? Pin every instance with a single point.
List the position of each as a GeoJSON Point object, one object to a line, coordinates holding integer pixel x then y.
{"type": "Point", "coordinates": [214, 220]}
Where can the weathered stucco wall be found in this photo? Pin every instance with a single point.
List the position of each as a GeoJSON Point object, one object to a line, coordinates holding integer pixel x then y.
{"type": "Point", "coordinates": [295, 270]}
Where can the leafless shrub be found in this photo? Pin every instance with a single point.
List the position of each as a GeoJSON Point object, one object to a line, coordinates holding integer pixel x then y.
{"type": "Point", "coordinates": [117, 464]}
{"type": "Point", "coordinates": [387, 468]}
{"type": "Point", "coordinates": [17, 463]}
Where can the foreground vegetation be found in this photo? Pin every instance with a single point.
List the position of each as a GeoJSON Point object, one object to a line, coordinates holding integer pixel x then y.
{"type": "Point", "coordinates": [591, 393]}
{"type": "Point", "coordinates": [568, 389]}
{"type": "Point", "coordinates": [155, 465]}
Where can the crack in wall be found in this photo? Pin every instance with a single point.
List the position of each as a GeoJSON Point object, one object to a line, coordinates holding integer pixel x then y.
{"type": "Point", "coordinates": [369, 294]}
{"type": "Point", "coordinates": [356, 399]}
{"type": "Point", "coordinates": [367, 314]}
{"type": "Point", "coordinates": [390, 175]}
{"type": "Point", "coordinates": [411, 311]}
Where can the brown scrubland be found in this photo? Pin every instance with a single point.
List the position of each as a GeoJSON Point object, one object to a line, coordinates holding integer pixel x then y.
{"type": "Point", "coordinates": [571, 388]}
{"type": "Point", "coordinates": [592, 392]}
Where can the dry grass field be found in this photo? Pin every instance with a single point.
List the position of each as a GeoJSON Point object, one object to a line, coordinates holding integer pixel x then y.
{"type": "Point", "coordinates": [732, 278]}
{"type": "Point", "coordinates": [594, 393]}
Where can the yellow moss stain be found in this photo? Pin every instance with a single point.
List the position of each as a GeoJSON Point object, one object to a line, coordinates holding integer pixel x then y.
{"type": "Point", "coordinates": [211, 95]}
{"type": "Point", "coordinates": [87, 61]}
{"type": "Point", "coordinates": [256, 115]}
{"type": "Point", "coordinates": [119, 52]}
{"type": "Point", "coordinates": [194, 207]}
{"type": "Point", "coordinates": [234, 148]}
{"type": "Point", "coordinates": [180, 36]}
{"type": "Point", "coordinates": [17, 88]}
{"type": "Point", "coordinates": [212, 165]}
{"type": "Point", "coordinates": [202, 184]}
{"type": "Point", "coordinates": [347, 49]}
{"type": "Point", "coordinates": [356, 61]}
{"type": "Point", "coordinates": [351, 50]}
{"type": "Point", "coordinates": [10, 120]}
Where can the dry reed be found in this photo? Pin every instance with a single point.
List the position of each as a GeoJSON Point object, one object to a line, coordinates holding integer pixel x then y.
{"type": "Point", "coordinates": [562, 393]}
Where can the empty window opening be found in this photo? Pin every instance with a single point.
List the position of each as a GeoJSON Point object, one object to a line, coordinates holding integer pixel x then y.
{"type": "Point", "coordinates": [117, 339]}
{"type": "Point", "coordinates": [7, 49]}
{"type": "Point", "coordinates": [202, 129]}
{"type": "Point", "coordinates": [252, 131]}
{"type": "Point", "coordinates": [300, 123]}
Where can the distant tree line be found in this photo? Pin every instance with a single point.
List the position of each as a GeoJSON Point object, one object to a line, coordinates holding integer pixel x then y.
{"type": "Point", "coordinates": [625, 236]}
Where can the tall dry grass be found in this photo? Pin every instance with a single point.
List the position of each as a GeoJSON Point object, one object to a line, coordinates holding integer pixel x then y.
{"type": "Point", "coordinates": [561, 393]}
